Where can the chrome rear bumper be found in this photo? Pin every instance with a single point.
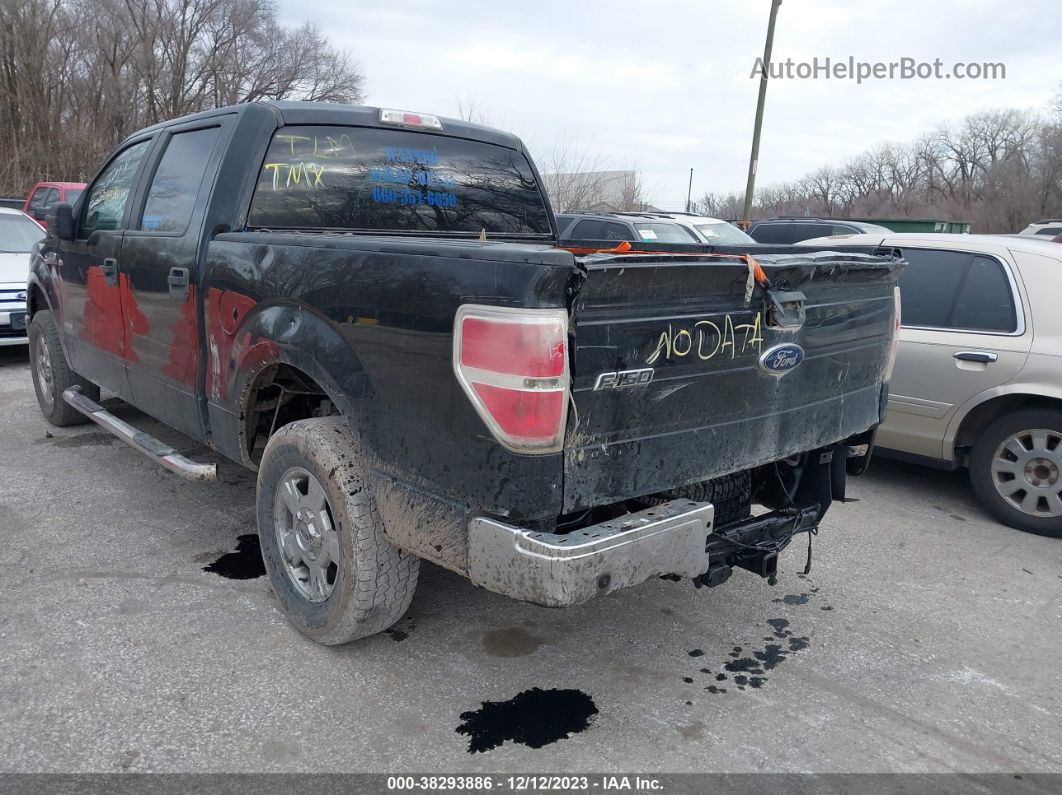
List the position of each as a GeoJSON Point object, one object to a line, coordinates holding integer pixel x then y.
{"type": "Point", "coordinates": [560, 570]}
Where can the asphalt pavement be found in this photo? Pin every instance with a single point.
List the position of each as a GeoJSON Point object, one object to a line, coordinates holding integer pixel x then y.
{"type": "Point", "coordinates": [926, 638]}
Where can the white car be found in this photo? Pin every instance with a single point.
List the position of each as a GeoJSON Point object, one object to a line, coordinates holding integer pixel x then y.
{"type": "Point", "coordinates": [1049, 228]}
{"type": "Point", "coordinates": [978, 376]}
{"type": "Point", "coordinates": [18, 235]}
{"type": "Point", "coordinates": [713, 231]}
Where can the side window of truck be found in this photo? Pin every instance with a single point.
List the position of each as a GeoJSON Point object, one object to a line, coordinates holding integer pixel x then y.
{"type": "Point", "coordinates": [37, 202]}
{"type": "Point", "coordinates": [176, 182]}
{"type": "Point", "coordinates": [109, 194]}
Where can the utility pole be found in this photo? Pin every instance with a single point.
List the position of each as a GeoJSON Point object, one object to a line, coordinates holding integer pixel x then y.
{"type": "Point", "coordinates": [689, 191]}
{"type": "Point", "coordinates": [750, 186]}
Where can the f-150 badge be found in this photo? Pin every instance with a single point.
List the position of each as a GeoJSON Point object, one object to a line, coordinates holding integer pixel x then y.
{"type": "Point", "coordinates": [624, 378]}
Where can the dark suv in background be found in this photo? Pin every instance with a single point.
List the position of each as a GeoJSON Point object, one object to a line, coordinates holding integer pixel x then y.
{"type": "Point", "coordinates": [793, 230]}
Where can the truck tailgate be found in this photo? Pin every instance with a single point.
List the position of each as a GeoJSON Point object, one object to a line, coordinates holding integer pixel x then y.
{"type": "Point", "coordinates": [709, 406]}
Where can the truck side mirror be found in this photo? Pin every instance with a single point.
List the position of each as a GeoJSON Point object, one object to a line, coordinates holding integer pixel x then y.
{"type": "Point", "coordinates": [64, 222]}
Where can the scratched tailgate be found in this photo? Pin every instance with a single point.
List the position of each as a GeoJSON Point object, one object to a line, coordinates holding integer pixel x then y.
{"type": "Point", "coordinates": [709, 407]}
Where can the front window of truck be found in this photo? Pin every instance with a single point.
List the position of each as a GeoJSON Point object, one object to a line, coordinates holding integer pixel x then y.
{"type": "Point", "coordinates": [381, 180]}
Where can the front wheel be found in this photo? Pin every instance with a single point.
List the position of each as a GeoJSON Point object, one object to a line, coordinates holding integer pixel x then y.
{"type": "Point", "coordinates": [52, 375]}
{"type": "Point", "coordinates": [1016, 470]}
{"type": "Point", "coordinates": [336, 575]}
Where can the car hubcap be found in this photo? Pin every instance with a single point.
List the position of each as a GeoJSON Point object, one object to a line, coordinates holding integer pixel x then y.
{"type": "Point", "coordinates": [44, 372]}
{"type": "Point", "coordinates": [306, 534]}
{"type": "Point", "coordinates": [1026, 472]}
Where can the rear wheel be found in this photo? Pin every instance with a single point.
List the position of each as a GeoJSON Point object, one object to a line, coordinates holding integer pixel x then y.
{"type": "Point", "coordinates": [1016, 470]}
{"type": "Point", "coordinates": [52, 375]}
{"type": "Point", "coordinates": [336, 575]}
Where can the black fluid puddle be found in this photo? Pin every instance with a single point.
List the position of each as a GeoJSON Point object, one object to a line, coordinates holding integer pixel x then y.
{"type": "Point", "coordinates": [534, 718]}
{"type": "Point", "coordinates": [747, 669]}
{"type": "Point", "coordinates": [245, 563]}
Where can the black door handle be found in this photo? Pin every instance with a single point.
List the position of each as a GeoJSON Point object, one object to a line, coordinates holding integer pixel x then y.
{"type": "Point", "coordinates": [975, 356]}
{"type": "Point", "coordinates": [178, 282]}
{"type": "Point", "coordinates": [110, 271]}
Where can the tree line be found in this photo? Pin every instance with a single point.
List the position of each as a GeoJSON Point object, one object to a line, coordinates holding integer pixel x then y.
{"type": "Point", "coordinates": [997, 170]}
{"type": "Point", "coordinates": [77, 76]}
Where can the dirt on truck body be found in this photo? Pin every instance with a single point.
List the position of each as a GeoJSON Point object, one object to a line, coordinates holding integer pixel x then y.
{"type": "Point", "coordinates": [370, 309]}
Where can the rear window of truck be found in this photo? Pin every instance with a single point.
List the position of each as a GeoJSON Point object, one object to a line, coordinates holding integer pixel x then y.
{"type": "Point", "coordinates": [363, 178]}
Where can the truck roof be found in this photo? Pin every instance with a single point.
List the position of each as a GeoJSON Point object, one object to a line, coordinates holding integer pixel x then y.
{"type": "Point", "coordinates": [294, 112]}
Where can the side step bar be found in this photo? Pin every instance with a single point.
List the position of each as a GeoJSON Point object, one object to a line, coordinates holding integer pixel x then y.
{"type": "Point", "coordinates": [163, 454]}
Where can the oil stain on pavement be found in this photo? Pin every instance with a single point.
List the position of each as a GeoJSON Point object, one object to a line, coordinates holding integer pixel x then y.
{"type": "Point", "coordinates": [748, 669]}
{"type": "Point", "coordinates": [245, 563]}
{"type": "Point", "coordinates": [534, 718]}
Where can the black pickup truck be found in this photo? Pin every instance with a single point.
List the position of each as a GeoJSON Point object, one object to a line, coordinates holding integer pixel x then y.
{"type": "Point", "coordinates": [369, 308]}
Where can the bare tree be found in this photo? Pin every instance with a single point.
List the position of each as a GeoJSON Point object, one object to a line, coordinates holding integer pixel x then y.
{"type": "Point", "coordinates": [575, 178]}
{"type": "Point", "coordinates": [995, 169]}
{"type": "Point", "coordinates": [76, 76]}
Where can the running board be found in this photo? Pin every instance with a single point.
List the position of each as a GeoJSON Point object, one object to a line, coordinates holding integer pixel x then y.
{"type": "Point", "coordinates": [163, 454]}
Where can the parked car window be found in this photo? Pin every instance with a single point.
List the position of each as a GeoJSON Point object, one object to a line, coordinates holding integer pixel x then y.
{"type": "Point", "coordinates": [723, 234]}
{"type": "Point", "coordinates": [985, 301]}
{"type": "Point", "coordinates": [109, 194]}
{"type": "Point", "coordinates": [175, 186]}
{"type": "Point", "coordinates": [51, 198]}
{"type": "Point", "coordinates": [37, 201]}
{"type": "Point", "coordinates": [329, 177]}
{"type": "Point", "coordinates": [928, 286]}
{"type": "Point", "coordinates": [72, 195]}
{"type": "Point", "coordinates": [616, 232]}
{"type": "Point", "coordinates": [841, 229]}
{"type": "Point", "coordinates": [18, 234]}
{"type": "Point", "coordinates": [1050, 230]}
{"type": "Point", "coordinates": [588, 229]}
{"type": "Point", "coordinates": [664, 233]}
{"type": "Point", "coordinates": [787, 233]}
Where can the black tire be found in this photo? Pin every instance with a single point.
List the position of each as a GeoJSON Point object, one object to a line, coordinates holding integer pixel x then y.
{"type": "Point", "coordinates": [373, 581]}
{"type": "Point", "coordinates": [43, 332]}
{"type": "Point", "coordinates": [983, 479]}
{"type": "Point", "coordinates": [730, 494]}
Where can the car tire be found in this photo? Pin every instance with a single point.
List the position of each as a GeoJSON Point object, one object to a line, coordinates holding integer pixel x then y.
{"type": "Point", "coordinates": [335, 574]}
{"type": "Point", "coordinates": [52, 375]}
{"type": "Point", "coordinates": [1016, 470]}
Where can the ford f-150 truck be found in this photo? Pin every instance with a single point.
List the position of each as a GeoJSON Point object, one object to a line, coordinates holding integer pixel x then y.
{"type": "Point", "coordinates": [370, 309]}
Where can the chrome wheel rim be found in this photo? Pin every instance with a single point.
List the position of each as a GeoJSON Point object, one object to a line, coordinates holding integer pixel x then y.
{"type": "Point", "coordinates": [306, 534]}
{"type": "Point", "coordinates": [44, 372]}
{"type": "Point", "coordinates": [1027, 472]}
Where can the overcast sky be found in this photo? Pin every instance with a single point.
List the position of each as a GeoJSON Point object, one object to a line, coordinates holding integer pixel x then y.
{"type": "Point", "coordinates": [664, 85]}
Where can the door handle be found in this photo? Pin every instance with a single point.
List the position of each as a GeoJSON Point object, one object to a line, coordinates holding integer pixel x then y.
{"type": "Point", "coordinates": [975, 356]}
{"type": "Point", "coordinates": [110, 271]}
{"type": "Point", "coordinates": [178, 282]}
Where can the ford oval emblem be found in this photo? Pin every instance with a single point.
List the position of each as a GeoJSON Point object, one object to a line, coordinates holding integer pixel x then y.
{"type": "Point", "coordinates": [780, 359]}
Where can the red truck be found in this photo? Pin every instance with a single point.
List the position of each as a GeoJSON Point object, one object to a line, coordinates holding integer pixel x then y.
{"type": "Point", "coordinates": [44, 196]}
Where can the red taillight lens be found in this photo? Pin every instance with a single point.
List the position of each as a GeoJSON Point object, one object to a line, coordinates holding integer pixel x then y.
{"type": "Point", "coordinates": [513, 365]}
{"type": "Point", "coordinates": [535, 350]}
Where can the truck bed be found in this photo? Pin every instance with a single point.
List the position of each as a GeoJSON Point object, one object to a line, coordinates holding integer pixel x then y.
{"type": "Point", "coordinates": [710, 407]}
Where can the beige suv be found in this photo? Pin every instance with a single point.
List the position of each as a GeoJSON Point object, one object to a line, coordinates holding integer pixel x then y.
{"type": "Point", "coordinates": [978, 378]}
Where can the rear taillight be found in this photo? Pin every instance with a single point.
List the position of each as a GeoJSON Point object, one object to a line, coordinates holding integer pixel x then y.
{"type": "Point", "coordinates": [895, 335]}
{"type": "Point", "coordinates": [513, 365]}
